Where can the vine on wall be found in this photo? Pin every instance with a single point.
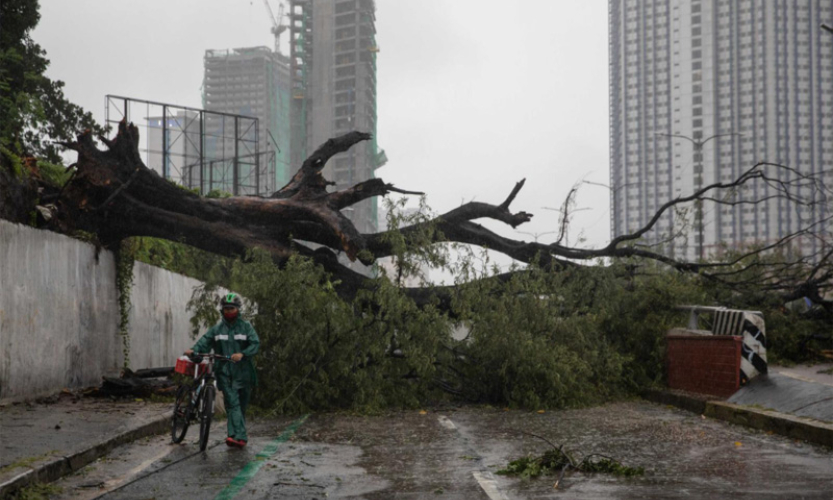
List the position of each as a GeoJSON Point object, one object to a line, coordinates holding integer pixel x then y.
{"type": "Point", "coordinates": [124, 284]}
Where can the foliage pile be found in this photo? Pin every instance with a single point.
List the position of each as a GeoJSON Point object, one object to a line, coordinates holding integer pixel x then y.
{"type": "Point", "coordinates": [568, 338]}
{"type": "Point", "coordinates": [318, 351]}
{"type": "Point", "coordinates": [556, 460]}
{"type": "Point", "coordinates": [541, 339]}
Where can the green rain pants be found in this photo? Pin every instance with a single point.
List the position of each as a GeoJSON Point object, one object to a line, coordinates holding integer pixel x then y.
{"type": "Point", "coordinates": [236, 401]}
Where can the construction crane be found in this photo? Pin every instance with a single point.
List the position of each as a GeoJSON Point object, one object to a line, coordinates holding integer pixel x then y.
{"type": "Point", "coordinates": [277, 24]}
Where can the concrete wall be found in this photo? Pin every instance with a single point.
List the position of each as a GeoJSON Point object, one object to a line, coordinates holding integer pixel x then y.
{"type": "Point", "coordinates": [59, 314]}
{"type": "Point", "coordinates": [159, 320]}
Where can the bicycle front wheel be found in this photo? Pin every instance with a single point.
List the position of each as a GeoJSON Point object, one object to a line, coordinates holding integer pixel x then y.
{"type": "Point", "coordinates": [207, 415]}
{"type": "Point", "coordinates": [179, 420]}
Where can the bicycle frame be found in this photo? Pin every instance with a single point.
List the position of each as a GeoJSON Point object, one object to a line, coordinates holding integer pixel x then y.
{"type": "Point", "coordinates": [200, 380]}
{"type": "Point", "coordinates": [196, 408]}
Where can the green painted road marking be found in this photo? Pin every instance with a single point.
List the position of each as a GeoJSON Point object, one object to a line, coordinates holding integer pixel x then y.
{"type": "Point", "coordinates": [252, 467]}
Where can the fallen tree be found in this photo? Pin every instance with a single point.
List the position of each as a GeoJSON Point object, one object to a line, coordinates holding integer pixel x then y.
{"type": "Point", "coordinates": [558, 330]}
{"type": "Point", "coordinates": [567, 326]}
{"type": "Point", "coordinates": [113, 195]}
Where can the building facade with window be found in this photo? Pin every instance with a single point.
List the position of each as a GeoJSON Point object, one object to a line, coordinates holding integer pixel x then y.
{"type": "Point", "coordinates": [333, 64]}
{"type": "Point", "coordinates": [253, 82]}
{"type": "Point", "coordinates": [702, 90]}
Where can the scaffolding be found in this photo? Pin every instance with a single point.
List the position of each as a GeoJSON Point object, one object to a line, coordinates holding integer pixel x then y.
{"type": "Point", "coordinates": [196, 148]}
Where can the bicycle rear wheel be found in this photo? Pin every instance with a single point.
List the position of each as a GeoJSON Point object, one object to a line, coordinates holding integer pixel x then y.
{"type": "Point", "coordinates": [207, 415]}
{"type": "Point", "coordinates": [180, 418]}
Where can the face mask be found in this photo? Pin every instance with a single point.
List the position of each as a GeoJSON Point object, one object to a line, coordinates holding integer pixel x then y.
{"type": "Point", "coordinates": [230, 314]}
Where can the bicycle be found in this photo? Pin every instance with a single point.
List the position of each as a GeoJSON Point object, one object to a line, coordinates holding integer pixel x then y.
{"type": "Point", "coordinates": [195, 400]}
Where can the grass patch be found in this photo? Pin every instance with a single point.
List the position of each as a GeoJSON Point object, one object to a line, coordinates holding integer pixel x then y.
{"type": "Point", "coordinates": [761, 407]}
{"type": "Point", "coordinates": [159, 398]}
{"type": "Point", "coordinates": [26, 462]}
{"type": "Point", "coordinates": [36, 491]}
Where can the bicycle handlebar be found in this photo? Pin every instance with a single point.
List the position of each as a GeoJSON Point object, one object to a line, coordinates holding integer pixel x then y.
{"type": "Point", "coordinates": [194, 355]}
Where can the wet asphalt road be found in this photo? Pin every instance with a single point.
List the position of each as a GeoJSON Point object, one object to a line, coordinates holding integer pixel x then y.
{"type": "Point", "coordinates": [454, 454]}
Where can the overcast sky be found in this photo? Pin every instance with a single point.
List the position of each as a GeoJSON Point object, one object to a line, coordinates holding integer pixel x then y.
{"type": "Point", "coordinates": [473, 95]}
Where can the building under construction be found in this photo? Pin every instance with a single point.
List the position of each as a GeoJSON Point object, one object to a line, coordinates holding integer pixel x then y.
{"type": "Point", "coordinates": [333, 69]}
{"type": "Point", "coordinates": [251, 82]}
{"type": "Point", "coordinates": [327, 87]}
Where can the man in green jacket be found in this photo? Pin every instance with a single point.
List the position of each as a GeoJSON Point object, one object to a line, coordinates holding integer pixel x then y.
{"type": "Point", "coordinates": [235, 338]}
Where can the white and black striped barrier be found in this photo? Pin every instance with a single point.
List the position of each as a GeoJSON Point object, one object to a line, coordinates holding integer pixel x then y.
{"type": "Point", "coordinates": [748, 324]}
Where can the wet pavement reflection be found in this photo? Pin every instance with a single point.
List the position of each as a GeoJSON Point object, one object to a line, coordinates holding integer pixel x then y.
{"type": "Point", "coordinates": [454, 453]}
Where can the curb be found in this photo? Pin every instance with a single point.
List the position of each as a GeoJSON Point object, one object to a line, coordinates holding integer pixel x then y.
{"type": "Point", "coordinates": [805, 429]}
{"type": "Point", "coordinates": [58, 467]}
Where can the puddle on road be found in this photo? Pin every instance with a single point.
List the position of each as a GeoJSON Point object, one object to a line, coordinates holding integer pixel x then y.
{"type": "Point", "coordinates": [314, 470]}
{"type": "Point", "coordinates": [414, 455]}
{"type": "Point", "coordinates": [437, 454]}
{"type": "Point", "coordinates": [683, 454]}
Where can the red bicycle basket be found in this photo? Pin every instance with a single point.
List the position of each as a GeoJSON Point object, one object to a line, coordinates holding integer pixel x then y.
{"type": "Point", "coordinates": [186, 367]}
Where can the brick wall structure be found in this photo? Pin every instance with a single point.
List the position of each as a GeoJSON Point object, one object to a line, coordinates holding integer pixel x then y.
{"type": "Point", "coordinates": [704, 364]}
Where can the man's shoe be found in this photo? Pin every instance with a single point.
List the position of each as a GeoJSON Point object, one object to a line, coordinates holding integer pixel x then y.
{"type": "Point", "coordinates": [230, 441]}
{"type": "Point", "coordinates": [239, 443]}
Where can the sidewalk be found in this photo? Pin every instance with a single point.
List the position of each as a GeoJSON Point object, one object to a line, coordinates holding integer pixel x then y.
{"type": "Point", "coordinates": [40, 442]}
{"type": "Point", "coordinates": [799, 391]}
{"type": "Point", "coordinates": [796, 402]}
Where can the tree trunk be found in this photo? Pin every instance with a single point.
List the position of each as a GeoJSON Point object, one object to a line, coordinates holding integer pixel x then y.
{"type": "Point", "coordinates": [114, 195]}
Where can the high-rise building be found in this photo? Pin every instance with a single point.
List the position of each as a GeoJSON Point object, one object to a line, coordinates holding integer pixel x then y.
{"type": "Point", "coordinates": [700, 91]}
{"type": "Point", "coordinates": [249, 82]}
{"type": "Point", "coordinates": [333, 66]}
